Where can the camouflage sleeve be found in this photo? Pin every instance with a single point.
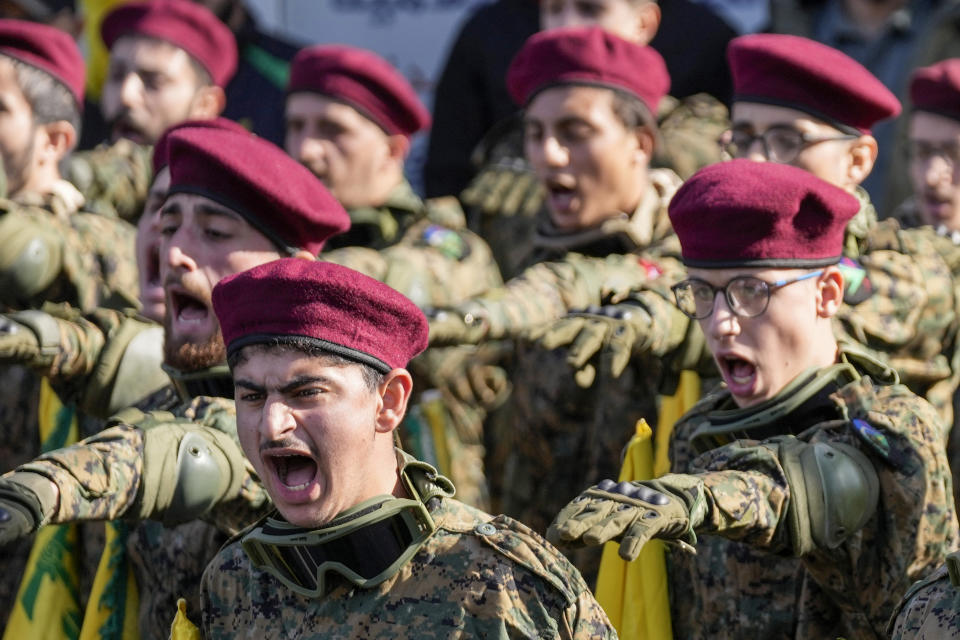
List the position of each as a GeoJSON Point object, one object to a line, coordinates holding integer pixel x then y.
{"type": "Point", "coordinates": [158, 466]}
{"type": "Point", "coordinates": [930, 610]}
{"type": "Point", "coordinates": [114, 179]}
{"type": "Point", "coordinates": [690, 130]}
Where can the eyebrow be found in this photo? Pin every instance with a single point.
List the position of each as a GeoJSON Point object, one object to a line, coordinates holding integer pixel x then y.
{"type": "Point", "coordinates": [202, 209]}
{"type": "Point", "coordinates": [293, 384]}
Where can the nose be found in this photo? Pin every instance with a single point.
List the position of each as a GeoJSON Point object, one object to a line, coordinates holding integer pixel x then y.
{"type": "Point", "coordinates": [310, 150]}
{"type": "Point", "coordinates": [723, 321]}
{"type": "Point", "coordinates": [177, 253]}
{"type": "Point", "coordinates": [555, 154]}
{"type": "Point", "coordinates": [278, 420]}
{"type": "Point", "coordinates": [131, 90]}
{"type": "Point", "coordinates": [757, 151]}
{"type": "Point", "coordinates": [936, 170]}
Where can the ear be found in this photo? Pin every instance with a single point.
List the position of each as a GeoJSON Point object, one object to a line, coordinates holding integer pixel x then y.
{"type": "Point", "coordinates": [60, 138]}
{"type": "Point", "coordinates": [394, 395]}
{"type": "Point", "coordinates": [398, 147]}
{"type": "Point", "coordinates": [830, 292]}
{"type": "Point", "coordinates": [863, 154]}
{"type": "Point", "coordinates": [648, 22]}
{"type": "Point", "coordinates": [645, 144]}
{"type": "Point", "coordinates": [208, 103]}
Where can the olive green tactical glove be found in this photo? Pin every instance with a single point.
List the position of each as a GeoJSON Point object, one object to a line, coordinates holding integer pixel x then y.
{"type": "Point", "coordinates": [449, 327]}
{"type": "Point", "coordinates": [466, 374]}
{"type": "Point", "coordinates": [18, 343]}
{"type": "Point", "coordinates": [603, 337]}
{"type": "Point", "coordinates": [506, 187]}
{"type": "Point", "coordinates": [20, 511]}
{"type": "Point", "coordinates": [631, 513]}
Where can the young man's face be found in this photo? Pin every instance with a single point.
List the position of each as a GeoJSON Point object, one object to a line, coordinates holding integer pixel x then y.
{"type": "Point", "coordinates": [592, 166]}
{"type": "Point", "coordinates": [935, 168]}
{"type": "Point", "coordinates": [829, 160]}
{"type": "Point", "coordinates": [310, 427]}
{"type": "Point", "coordinates": [758, 356]}
{"type": "Point", "coordinates": [19, 137]}
{"type": "Point", "coordinates": [201, 243]}
{"type": "Point", "coordinates": [151, 85]}
{"type": "Point", "coordinates": [346, 150]}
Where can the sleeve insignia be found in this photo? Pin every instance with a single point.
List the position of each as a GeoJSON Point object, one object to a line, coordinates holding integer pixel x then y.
{"type": "Point", "coordinates": [857, 286]}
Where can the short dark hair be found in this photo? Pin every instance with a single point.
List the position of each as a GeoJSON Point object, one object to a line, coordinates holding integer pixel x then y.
{"type": "Point", "coordinates": [49, 99]}
{"type": "Point", "coordinates": [371, 377]}
{"type": "Point", "coordinates": [633, 113]}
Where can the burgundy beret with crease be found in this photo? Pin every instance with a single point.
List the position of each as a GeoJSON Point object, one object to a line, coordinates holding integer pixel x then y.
{"type": "Point", "coordinates": [743, 213]}
{"type": "Point", "coordinates": [276, 194]}
{"type": "Point", "coordinates": [363, 80]}
{"type": "Point", "coordinates": [48, 49]}
{"type": "Point", "coordinates": [182, 23]}
{"type": "Point", "coordinates": [160, 149]}
{"type": "Point", "coordinates": [587, 56]}
{"type": "Point", "coordinates": [937, 88]}
{"type": "Point", "coordinates": [343, 310]}
{"type": "Point", "coordinates": [794, 72]}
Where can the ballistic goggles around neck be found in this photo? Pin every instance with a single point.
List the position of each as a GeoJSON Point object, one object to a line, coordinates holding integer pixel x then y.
{"type": "Point", "coordinates": [366, 545]}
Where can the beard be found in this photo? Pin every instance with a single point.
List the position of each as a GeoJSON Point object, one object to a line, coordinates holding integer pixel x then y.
{"type": "Point", "coordinates": [16, 167]}
{"type": "Point", "coordinates": [192, 356]}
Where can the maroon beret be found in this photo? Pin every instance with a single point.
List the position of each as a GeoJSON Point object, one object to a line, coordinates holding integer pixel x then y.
{"type": "Point", "coordinates": [743, 213]}
{"type": "Point", "coordinates": [344, 311]}
{"type": "Point", "coordinates": [48, 49]}
{"type": "Point", "coordinates": [937, 88]}
{"type": "Point", "coordinates": [363, 80]}
{"type": "Point", "coordinates": [794, 72]}
{"type": "Point", "coordinates": [161, 148]}
{"type": "Point", "coordinates": [182, 23]}
{"type": "Point", "coordinates": [276, 194]}
{"type": "Point", "coordinates": [587, 56]}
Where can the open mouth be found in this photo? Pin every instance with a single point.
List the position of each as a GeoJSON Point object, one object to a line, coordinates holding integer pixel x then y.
{"type": "Point", "coordinates": [124, 129]}
{"type": "Point", "coordinates": [296, 472]}
{"type": "Point", "coordinates": [187, 308]}
{"type": "Point", "coordinates": [738, 372]}
{"type": "Point", "coordinates": [560, 193]}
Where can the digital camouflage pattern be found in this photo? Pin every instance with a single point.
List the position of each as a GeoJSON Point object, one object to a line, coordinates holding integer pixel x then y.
{"type": "Point", "coordinates": [742, 584]}
{"type": "Point", "coordinates": [113, 178]}
{"type": "Point", "coordinates": [477, 576]}
{"type": "Point", "coordinates": [505, 200]}
{"type": "Point", "coordinates": [931, 608]}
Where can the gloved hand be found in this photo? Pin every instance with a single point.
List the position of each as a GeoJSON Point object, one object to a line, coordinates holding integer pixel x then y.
{"type": "Point", "coordinates": [18, 343]}
{"type": "Point", "coordinates": [629, 512]}
{"type": "Point", "coordinates": [506, 187]}
{"type": "Point", "coordinates": [449, 327]}
{"type": "Point", "coordinates": [20, 511]}
{"type": "Point", "coordinates": [603, 337]}
{"type": "Point", "coordinates": [469, 375]}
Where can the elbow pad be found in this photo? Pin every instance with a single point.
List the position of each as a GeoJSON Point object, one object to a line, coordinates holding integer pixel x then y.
{"type": "Point", "coordinates": [834, 491]}
{"type": "Point", "coordinates": [30, 259]}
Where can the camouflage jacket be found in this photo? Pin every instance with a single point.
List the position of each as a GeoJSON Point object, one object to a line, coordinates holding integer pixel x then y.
{"type": "Point", "coordinates": [574, 271]}
{"type": "Point", "coordinates": [745, 584]}
{"type": "Point", "coordinates": [52, 251]}
{"type": "Point", "coordinates": [931, 608]}
{"type": "Point", "coordinates": [476, 577]}
{"type": "Point", "coordinates": [113, 178]}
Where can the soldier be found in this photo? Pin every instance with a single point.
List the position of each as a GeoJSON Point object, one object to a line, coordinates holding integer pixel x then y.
{"type": "Point", "coordinates": [810, 450]}
{"type": "Point", "coordinates": [935, 150]}
{"type": "Point", "coordinates": [801, 103]}
{"type": "Point", "coordinates": [588, 99]}
{"type": "Point", "coordinates": [506, 199]}
{"type": "Point", "coordinates": [169, 62]}
{"type": "Point", "coordinates": [321, 389]}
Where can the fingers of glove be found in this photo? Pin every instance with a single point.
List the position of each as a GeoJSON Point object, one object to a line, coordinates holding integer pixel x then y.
{"type": "Point", "coordinates": [15, 522]}
{"type": "Point", "coordinates": [488, 382]}
{"type": "Point", "coordinates": [588, 342]}
{"type": "Point", "coordinates": [581, 514]}
{"type": "Point", "coordinates": [515, 193]}
{"type": "Point", "coordinates": [493, 199]}
{"type": "Point", "coordinates": [633, 542]}
{"type": "Point", "coordinates": [460, 386]}
{"type": "Point", "coordinates": [613, 526]}
{"type": "Point", "coordinates": [533, 200]}
{"type": "Point", "coordinates": [619, 349]}
{"type": "Point", "coordinates": [584, 377]}
{"type": "Point", "coordinates": [474, 193]}
{"type": "Point", "coordinates": [560, 333]}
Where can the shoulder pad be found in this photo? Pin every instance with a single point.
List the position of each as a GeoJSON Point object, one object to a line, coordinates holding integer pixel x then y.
{"type": "Point", "coordinates": [141, 420]}
{"type": "Point", "coordinates": [213, 412]}
{"type": "Point", "coordinates": [445, 240]}
{"type": "Point", "coordinates": [525, 547]}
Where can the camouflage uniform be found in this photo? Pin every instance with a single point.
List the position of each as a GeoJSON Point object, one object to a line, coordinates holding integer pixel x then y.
{"type": "Point", "coordinates": [931, 608]}
{"type": "Point", "coordinates": [744, 584]}
{"type": "Point", "coordinates": [505, 200]}
{"type": "Point", "coordinates": [477, 576]}
{"type": "Point", "coordinates": [113, 178]}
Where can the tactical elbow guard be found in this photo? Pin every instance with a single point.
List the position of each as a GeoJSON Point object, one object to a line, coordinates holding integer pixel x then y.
{"type": "Point", "coordinates": [834, 491]}
{"type": "Point", "coordinates": [30, 260]}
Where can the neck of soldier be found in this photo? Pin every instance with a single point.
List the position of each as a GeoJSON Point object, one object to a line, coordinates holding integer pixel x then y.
{"type": "Point", "coordinates": [377, 191]}
{"type": "Point", "coordinates": [40, 182]}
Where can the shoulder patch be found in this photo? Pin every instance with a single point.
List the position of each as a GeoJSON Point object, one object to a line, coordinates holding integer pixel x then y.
{"type": "Point", "coordinates": [857, 286]}
{"type": "Point", "coordinates": [877, 441]}
{"type": "Point", "coordinates": [446, 241]}
{"type": "Point", "coordinates": [652, 268]}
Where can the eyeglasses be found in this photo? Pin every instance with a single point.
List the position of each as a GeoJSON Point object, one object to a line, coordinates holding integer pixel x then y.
{"type": "Point", "coordinates": [746, 296]}
{"type": "Point", "coordinates": [923, 151]}
{"type": "Point", "coordinates": [781, 143]}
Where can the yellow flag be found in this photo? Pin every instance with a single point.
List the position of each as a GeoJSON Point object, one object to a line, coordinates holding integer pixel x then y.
{"type": "Point", "coordinates": [182, 628]}
{"type": "Point", "coordinates": [112, 608]}
{"type": "Point", "coordinates": [634, 594]}
{"type": "Point", "coordinates": [97, 57]}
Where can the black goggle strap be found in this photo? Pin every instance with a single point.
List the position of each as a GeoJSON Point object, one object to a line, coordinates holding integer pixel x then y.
{"type": "Point", "coordinates": [366, 545]}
